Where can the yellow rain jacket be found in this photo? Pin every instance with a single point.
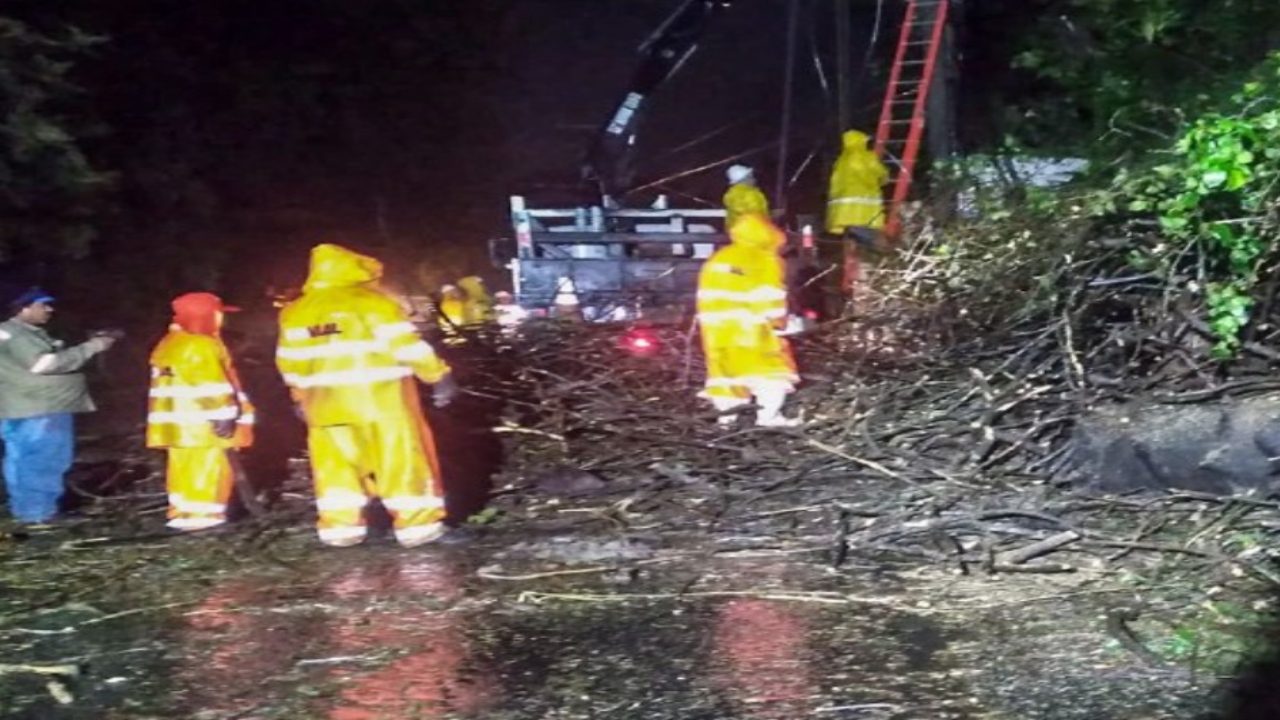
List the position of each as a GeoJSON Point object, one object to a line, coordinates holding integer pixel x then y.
{"type": "Point", "coordinates": [194, 384]}
{"type": "Point", "coordinates": [854, 198]}
{"type": "Point", "coordinates": [349, 356]}
{"type": "Point", "coordinates": [743, 198]}
{"type": "Point", "coordinates": [348, 351]}
{"type": "Point", "coordinates": [742, 299]}
{"type": "Point", "coordinates": [452, 310]}
{"type": "Point", "coordinates": [478, 309]}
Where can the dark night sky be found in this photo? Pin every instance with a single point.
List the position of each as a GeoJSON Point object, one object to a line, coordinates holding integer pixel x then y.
{"type": "Point", "coordinates": [246, 131]}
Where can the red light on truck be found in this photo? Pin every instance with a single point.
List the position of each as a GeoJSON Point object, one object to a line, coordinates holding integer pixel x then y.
{"type": "Point", "coordinates": [639, 342]}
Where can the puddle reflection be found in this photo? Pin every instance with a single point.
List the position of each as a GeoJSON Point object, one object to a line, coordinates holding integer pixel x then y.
{"type": "Point", "coordinates": [231, 648]}
{"type": "Point", "coordinates": [434, 673]}
{"type": "Point", "coordinates": [386, 636]}
{"type": "Point", "coordinates": [762, 664]}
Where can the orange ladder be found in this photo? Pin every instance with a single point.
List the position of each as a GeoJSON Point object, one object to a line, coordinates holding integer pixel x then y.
{"type": "Point", "coordinates": [906, 99]}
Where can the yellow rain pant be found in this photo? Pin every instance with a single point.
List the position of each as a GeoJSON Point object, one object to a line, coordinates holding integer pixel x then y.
{"type": "Point", "coordinates": [199, 483]}
{"type": "Point", "coordinates": [394, 461]}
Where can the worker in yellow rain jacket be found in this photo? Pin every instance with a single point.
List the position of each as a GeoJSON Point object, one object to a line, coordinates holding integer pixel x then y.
{"type": "Point", "coordinates": [743, 196]}
{"type": "Point", "coordinates": [478, 303]}
{"type": "Point", "coordinates": [451, 313]}
{"type": "Point", "coordinates": [349, 356]}
{"type": "Point", "coordinates": [742, 304]}
{"type": "Point", "coordinates": [197, 412]}
{"type": "Point", "coordinates": [854, 198]}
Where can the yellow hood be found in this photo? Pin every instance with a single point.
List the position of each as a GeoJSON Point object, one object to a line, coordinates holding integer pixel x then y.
{"type": "Point", "coordinates": [473, 286]}
{"type": "Point", "coordinates": [757, 232]}
{"type": "Point", "coordinates": [336, 266]}
{"type": "Point", "coordinates": [854, 140]}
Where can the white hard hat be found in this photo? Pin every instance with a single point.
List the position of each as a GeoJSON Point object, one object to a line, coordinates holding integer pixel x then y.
{"type": "Point", "coordinates": [738, 173]}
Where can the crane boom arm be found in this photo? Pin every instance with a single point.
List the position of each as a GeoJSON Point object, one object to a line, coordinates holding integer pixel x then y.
{"type": "Point", "coordinates": [608, 166]}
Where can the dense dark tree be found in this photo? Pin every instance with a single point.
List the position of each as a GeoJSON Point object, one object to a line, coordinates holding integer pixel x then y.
{"type": "Point", "coordinates": [1111, 76]}
{"type": "Point", "coordinates": [48, 188]}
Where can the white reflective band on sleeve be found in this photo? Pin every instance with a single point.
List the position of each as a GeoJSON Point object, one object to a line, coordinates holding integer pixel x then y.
{"type": "Point", "coordinates": [160, 417]}
{"type": "Point", "coordinates": [723, 268]}
{"type": "Point", "coordinates": [355, 532]}
{"type": "Point", "coordinates": [760, 294]}
{"type": "Point", "coordinates": [297, 334]}
{"type": "Point", "coordinates": [242, 397]}
{"type": "Point", "coordinates": [396, 329]}
{"type": "Point", "coordinates": [181, 504]}
{"type": "Point", "coordinates": [337, 500]}
{"type": "Point", "coordinates": [338, 348]}
{"type": "Point", "coordinates": [776, 313]}
{"type": "Point", "coordinates": [741, 317]}
{"type": "Point", "coordinates": [44, 362]}
{"type": "Point", "coordinates": [409, 503]}
{"type": "Point", "coordinates": [857, 200]}
{"type": "Point", "coordinates": [358, 376]}
{"type": "Point", "coordinates": [414, 352]}
{"type": "Point", "coordinates": [246, 419]}
{"type": "Point", "coordinates": [192, 391]}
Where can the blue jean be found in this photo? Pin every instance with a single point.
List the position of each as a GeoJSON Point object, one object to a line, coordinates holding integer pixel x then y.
{"type": "Point", "coordinates": [37, 453]}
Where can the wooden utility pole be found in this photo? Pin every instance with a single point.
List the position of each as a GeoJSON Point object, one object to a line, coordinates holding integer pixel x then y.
{"type": "Point", "coordinates": [788, 90]}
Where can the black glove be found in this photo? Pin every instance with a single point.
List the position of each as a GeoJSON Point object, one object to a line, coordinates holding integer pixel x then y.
{"type": "Point", "coordinates": [225, 429]}
{"type": "Point", "coordinates": [444, 391]}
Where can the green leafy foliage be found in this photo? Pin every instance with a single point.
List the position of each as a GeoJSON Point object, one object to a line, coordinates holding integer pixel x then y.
{"type": "Point", "coordinates": [1213, 196]}
{"type": "Point", "coordinates": [1117, 76]}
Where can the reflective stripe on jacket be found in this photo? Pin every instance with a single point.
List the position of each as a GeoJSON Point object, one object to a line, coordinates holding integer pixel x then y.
{"type": "Point", "coordinates": [742, 298]}
{"type": "Point", "coordinates": [854, 197]}
{"type": "Point", "coordinates": [193, 384]}
{"type": "Point", "coordinates": [347, 350]}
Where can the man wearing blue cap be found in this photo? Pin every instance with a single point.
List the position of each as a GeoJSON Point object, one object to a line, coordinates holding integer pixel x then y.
{"type": "Point", "coordinates": [41, 386]}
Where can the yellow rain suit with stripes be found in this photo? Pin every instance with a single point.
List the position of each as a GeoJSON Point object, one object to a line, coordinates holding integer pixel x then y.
{"type": "Point", "coordinates": [451, 313]}
{"type": "Point", "coordinates": [478, 309]}
{"type": "Point", "coordinates": [854, 197]}
{"type": "Point", "coordinates": [193, 385]}
{"type": "Point", "coordinates": [742, 300]}
{"type": "Point", "coordinates": [350, 357]}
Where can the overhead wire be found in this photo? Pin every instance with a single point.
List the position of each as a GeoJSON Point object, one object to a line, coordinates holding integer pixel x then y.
{"type": "Point", "coordinates": [877, 26]}
{"type": "Point", "coordinates": [822, 76]}
{"type": "Point", "coordinates": [820, 73]}
{"type": "Point", "coordinates": [788, 93]}
{"type": "Point", "coordinates": [871, 48]}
